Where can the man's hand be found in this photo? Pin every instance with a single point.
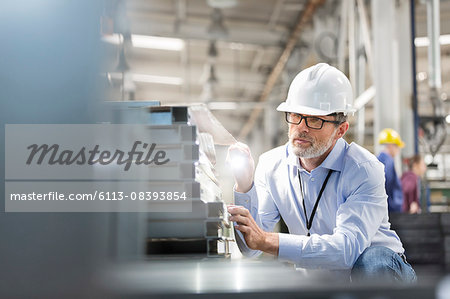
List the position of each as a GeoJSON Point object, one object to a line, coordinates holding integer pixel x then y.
{"type": "Point", "coordinates": [243, 166]}
{"type": "Point", "coordinates": [414, 208]}
{"type": "Point", "coordinates": [254, 236]}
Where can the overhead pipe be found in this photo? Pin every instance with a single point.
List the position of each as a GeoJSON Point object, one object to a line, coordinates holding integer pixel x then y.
{"type": "Point", "coordinates": [435, 127]}
{"type": "Point", "coordinates": [434, 48]}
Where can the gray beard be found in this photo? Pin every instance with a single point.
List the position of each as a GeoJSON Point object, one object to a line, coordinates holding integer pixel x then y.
{"type": "Point", "coordinates": [316, 149]}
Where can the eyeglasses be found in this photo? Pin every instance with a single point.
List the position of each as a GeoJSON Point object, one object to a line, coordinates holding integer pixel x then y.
{"type": "Point", "coordinates": [311, 122]}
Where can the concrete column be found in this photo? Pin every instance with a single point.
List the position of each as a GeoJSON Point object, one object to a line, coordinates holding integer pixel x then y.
{"type": "Point", "coordinates": [405, 87]}
{"type": "Point", "coordinates": [360, 83]}
{"type": "Point", "coordinates": [387, 103]}
{"type": "Point", "coordinates": [392, 74]}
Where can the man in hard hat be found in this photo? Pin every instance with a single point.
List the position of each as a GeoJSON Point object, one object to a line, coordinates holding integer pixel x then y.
{"type": "Point", "coordinates": [392, 144]}
{"type": "Point", "coordinates": [329, 193]}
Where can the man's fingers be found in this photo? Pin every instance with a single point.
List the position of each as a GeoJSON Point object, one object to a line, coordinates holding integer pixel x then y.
{"type": "Point", "coordinates": [243, 147]}
{"type": "Point", "coordinates": [246, 213]}
{"type": "Point", "coordinates": [238, 149]}
{"type": "Point", "coordinates": [240, 219]}
{"type": "Point", "coordinates": [239, 210]}
{"type": "Point", "coordinates": [242, 228]}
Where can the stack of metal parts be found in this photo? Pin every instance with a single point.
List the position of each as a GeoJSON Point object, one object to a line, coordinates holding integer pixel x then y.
{"type": "Point", "coordinates": [426, 239]}
{"type": "Point", "coordinates": [445, 226]}
{"type": "Point", "coordinates": [206, 230]}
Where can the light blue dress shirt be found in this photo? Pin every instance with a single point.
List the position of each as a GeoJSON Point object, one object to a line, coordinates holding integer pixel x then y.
{"type": "Point", "coordinates": [351, 216]}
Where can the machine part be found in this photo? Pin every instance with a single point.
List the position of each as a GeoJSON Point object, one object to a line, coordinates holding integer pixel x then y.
{"type": "Point", "coordinates": [200, 210]}
{"type": "Point", "coordinates": [434, 127]}
{"type": "Point", "coordinates": [171, 171]}
{"type": "Point", "coordinates": [205, 221]}
{"type": "Point", "coordinates": [204, 172]}
{"type": "Point", "coordinates": [207, 149]}
{"type": "Point", "coordinates": [173, 134]}
{"type": "Point", "coordinates": [422, 237]}
{"type": "Point", "coordinates": [182, 152]}
{"type": "Point", "coordinates": [182, 229]}
{"type": "Point", "coordinates": [165, 115]}
{"type": "Point", "coordinates": [207, 123]}
{"type": "Point", "coordinates": [204, 231]}
{"type": "Point", "coordinates": [176, 246]}
{"type": "Point", "coordinates": [157, 248]}
{"type": "Point", "coordinates": [435, 132]}
{"type": "Point", "coordinates": [127, 112]}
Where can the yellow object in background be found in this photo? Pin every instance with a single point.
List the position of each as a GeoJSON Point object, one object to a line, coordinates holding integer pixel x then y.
{"type": "Point", "coordinates": [390, 136]}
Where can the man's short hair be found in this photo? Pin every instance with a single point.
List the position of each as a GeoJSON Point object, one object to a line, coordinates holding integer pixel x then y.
{"type": "Point", "coordinates": [340, 117]}
{"type": "Point", "coordinates": [413, 160]}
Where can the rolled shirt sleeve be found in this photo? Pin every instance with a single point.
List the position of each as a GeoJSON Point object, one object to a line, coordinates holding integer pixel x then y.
{"type": "Point", "coordinates": [245, 200]}
{"type": "Point", "coordinates": [261, 206]}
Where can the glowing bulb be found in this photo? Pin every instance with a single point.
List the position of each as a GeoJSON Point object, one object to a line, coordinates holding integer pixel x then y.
{"type": "Point", "coordinates": [238, 162]}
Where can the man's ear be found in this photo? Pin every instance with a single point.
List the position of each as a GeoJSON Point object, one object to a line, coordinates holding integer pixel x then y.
{"type": "Point", "coordinates": [342, 129]}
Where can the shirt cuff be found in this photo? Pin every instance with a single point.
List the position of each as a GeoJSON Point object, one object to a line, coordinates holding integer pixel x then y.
{"type": "Point", "coordinates": [244, 199]}
{"type": "Point", "coordinates": [290, 247]}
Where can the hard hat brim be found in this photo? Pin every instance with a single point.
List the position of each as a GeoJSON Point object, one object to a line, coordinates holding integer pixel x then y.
{"type": "Point", "coordinates": [284, 107]}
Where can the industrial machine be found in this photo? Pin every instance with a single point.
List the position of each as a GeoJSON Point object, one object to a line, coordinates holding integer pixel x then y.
{"type": "Point", "coordinates": [205, 231]}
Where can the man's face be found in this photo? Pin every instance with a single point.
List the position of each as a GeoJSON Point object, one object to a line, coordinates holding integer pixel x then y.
{"type": "Point", "coordinates": [313, 143]}
{"type": "Point", "coordinates": [393, 149]}
{"type": "Point", "coordinates": [422, 167]}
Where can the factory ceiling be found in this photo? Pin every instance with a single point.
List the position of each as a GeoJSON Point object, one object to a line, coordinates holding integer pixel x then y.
{"type": "Point", "coordinates": [225, 52]}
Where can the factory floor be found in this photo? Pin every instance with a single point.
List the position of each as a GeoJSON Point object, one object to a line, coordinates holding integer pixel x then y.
{"type": "Point", "coordinates": [183, 278]}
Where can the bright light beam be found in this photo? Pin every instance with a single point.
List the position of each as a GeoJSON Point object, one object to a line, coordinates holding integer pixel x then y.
{"type": "Point", "coordinates": [238, 161]}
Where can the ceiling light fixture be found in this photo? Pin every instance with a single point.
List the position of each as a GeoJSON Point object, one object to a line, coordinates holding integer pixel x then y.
{"type": "Point", "coordinates": [148, 42]}
{"type": "Point", "coordinates": [144, 78]}
{"type": "Point", "coordinates": [222, 3]}
{"type": "Point", "coordinates": [157, 42]}
{"type": "Point", "coordinates": [157, 79]}
{"type": "Point", "coordinates": [424, 42]}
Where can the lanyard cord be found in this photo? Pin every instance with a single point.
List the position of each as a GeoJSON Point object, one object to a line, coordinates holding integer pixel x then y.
{"type": "Point", "coordinates": [309, 222]}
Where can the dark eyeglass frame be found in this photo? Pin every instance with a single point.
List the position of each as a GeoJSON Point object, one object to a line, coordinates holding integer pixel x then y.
{"type": "Point", "coordinates": [309, 117]}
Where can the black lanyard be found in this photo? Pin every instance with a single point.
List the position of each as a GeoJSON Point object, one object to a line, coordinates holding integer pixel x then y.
{"type": "Point", "coordinates": [309, 223]}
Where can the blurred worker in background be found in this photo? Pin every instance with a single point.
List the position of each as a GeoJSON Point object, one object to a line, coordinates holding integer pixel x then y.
{"type": "Point", "coordinates": [330, 193]}
{"type": "Point", "coordinates": [411, 184]}
{"type": "Point", "coordinates": [392, 143]}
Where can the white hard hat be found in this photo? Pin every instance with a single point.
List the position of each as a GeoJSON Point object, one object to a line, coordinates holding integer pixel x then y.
{"type": "Point", "coordinates": [319, 90]}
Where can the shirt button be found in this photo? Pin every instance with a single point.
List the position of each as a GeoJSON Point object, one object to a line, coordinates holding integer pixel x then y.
{"type": "Point", "coordinates": [312, 179]}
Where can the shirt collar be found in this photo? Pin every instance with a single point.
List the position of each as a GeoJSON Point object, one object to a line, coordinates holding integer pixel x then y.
{"type": "Point", "coordinates": [333, 161]}
{"type": "Point", "coordinates": [292, 159]}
